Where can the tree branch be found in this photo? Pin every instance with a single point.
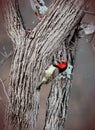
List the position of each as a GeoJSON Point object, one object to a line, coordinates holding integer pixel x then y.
{"type": "Point", "coordinates": [58, 99]}
{"type": "Point", "coordinates": [51, 39]}
{"type": "Point", "coordinates": [13, 21]}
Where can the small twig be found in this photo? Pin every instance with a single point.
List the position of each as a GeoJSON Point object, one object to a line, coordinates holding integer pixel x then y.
{"type": "Point", "coordinates": [5, 57]}
{"type": "Point", "coordinates": [88, 12]}
{"type": "Point", "coordinates": [2, 54]}
{"type": "Point", "coordinates": [91, 40]}
{"type": "Point", "coordinates": [4, 89]}
{"type": "Point", "coordinates": [92, 37]}
{"type": "Point", "coordinates": [2, 61]}
{"type": "Point", "coordinates": [5, 53]}
{"type": "Point", "coordinates": [10, 54]}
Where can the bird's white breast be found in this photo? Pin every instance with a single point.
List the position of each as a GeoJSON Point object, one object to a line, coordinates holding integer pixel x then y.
{"type": "Point", "coordinates": [50, 70]}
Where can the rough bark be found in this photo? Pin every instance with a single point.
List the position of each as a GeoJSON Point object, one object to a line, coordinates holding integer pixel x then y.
{"type": "Point", "coordinates": [51, 39]}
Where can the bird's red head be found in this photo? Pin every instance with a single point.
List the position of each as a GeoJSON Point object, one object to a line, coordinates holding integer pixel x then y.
{"type": "Point", "coordinates": [62, 65]}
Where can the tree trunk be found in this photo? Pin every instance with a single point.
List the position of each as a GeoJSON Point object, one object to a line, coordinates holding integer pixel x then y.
{"type": "Point", "coordinates": [53, 38]}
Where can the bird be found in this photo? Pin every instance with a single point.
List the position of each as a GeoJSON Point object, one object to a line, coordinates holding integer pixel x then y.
{"type": "Point", "coordinates": [51, 72]}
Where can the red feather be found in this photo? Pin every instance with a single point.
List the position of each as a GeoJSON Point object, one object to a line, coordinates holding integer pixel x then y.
{"type": "Point", "coordinates": [62, 66]}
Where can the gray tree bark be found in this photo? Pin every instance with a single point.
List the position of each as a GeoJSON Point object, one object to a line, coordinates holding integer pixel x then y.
{"type": "Point", "coordinates": [53, 38]}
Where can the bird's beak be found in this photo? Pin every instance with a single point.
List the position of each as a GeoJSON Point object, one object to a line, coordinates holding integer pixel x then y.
{"type": "Point", "coordinates": [58, 61]}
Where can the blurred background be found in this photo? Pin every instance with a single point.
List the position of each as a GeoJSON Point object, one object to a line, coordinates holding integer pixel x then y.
{"type": "Point", "coordinates": [81, 110]}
